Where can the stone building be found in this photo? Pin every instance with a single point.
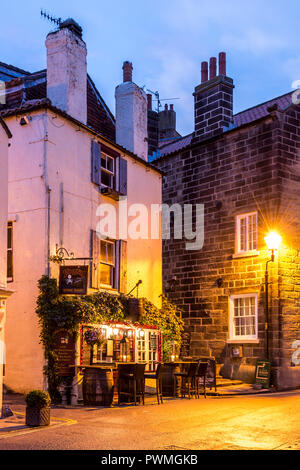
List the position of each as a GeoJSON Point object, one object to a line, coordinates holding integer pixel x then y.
{"type": "Point", "coordinates": [245, 169]}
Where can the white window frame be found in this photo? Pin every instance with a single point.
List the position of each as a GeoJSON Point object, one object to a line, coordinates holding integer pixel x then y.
{"type": "Point", "coordinates": [232, 334]}
{"type": "Point", "coordinates": [239, 218]}
{"type": "Point", "coordinates": [112, 174]}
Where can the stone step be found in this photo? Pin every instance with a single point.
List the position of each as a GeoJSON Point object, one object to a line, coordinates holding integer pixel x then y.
{"type": "Point", "coordinates": [221, 382]}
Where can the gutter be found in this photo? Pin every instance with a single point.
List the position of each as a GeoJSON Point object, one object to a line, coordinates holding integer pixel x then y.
{"type": "Point", "coordinates": [47, 193]}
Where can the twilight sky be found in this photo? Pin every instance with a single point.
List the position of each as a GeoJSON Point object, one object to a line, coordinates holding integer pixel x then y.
{"type": "Point", "coordinates": [166, 40]}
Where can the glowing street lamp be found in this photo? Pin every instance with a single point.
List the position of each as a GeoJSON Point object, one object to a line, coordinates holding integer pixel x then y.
{"type": "Point", "coordinates": [273, 241]}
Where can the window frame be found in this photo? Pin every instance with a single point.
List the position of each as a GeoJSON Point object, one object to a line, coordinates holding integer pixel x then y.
{"type": "Point", "coordinates": [232, 334]}
{"type": "Point", "coordinates": [112, 174]}
{"type": "Point", "coordinates": [239, 217]}
{"type": "Point", "coordinates": [11, 249]}
{"type": "Point", "coordinates": [113, 284]}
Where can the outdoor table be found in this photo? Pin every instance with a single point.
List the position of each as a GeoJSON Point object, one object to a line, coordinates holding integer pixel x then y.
{"type": "Point", "coordinates": [99, 376]}
{"type": "Point", "coordinates": [170, 383]}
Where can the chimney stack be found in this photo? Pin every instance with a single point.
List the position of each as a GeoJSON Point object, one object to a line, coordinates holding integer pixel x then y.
{"type": "Point", "coordinates": [67, 70]}
{"type": "Point", "coordinates": [204, 72]}
{"type": "Point", "coordinates": [131, 115]}
{"type": "Point", "coordinates": [127, 71]}
{"type": "Point", "coordinates": [212, 67]}
{"type": "Point", "coordinates": [167, 123]}
{"type": "Point", "coordinates": [149, 101]}
{"type": "Point", "coordinates": [222, 63]}
{"type": "Point", "coordinates": [213, 100]}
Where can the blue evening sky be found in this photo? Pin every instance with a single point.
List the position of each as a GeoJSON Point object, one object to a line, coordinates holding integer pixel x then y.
{"type": "Point", "coordinates": [166, 40]}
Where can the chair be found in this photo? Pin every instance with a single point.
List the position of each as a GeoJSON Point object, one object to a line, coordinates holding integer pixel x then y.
{"type": "Point", "coordinates": [129, 378]}
{"type": "Point", "coordinates": [188, 380]}
{"type": "Point", "coordinates": [158, 377]}
{"type": "Point", "coordinates": [201, 375]}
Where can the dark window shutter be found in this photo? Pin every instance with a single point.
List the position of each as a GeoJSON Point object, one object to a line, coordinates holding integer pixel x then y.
{"type": "Point", "coordinates": [95, 252]}
{"type": "Point", "coordinates": [122, 265]}
{"type": "Point", "coordinates": [122, 176]}
{"type": "Point", "coordinates": [96, 162]}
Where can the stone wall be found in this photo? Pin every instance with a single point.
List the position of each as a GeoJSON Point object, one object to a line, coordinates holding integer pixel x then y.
{"type": "Point", "coordinates": [245, 170]}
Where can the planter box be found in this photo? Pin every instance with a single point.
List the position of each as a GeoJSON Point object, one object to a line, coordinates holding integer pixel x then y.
{"type": "Point", "coordinates": [37, 416]}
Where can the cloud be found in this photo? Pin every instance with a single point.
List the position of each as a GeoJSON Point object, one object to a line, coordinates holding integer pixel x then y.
{"type": "Point", "coordinates": [254, 41]}
{"type": "Point", "coordinates": [173, 78]}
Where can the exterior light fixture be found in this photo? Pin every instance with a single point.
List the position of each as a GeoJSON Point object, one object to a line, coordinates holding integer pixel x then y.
{"type": "Point", "coordinates": [124, 348]}
{"type": "Point", "coordinates": [273, 241]}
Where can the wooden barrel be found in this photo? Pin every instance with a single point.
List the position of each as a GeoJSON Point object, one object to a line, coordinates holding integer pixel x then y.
{"type": "Point", "coordinates": [97, 387]}
{"type": "Point", "coordinates": [168, 380]}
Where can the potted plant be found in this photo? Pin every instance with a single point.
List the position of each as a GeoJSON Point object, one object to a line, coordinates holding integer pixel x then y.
{"type": "Point", "coordinates": [93, 336]}
{"type": "Point", "coordinates": [38, 408]}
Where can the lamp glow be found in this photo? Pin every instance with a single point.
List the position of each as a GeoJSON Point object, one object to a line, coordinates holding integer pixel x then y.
{"type": "Point", "coordinates": [273, 241]}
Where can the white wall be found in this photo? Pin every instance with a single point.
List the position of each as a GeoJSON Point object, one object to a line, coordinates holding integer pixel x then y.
{"type": "Point", "coordinates": [68, 161]}
{"type": "Point", "coordinates": [67, 73]}
{"type": "Point", "coordinates": [3, 244]}
{"type": "Point", "coordinates": [131, 118]}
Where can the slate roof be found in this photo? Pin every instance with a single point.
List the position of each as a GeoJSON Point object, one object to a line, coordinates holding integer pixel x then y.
{"type": "Point", "coordinates": [240, 119]}
{"type": "Point", "coordinates": [25, 86]}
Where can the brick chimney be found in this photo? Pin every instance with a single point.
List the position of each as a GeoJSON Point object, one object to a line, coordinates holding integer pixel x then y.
{"type": "Point", "coordinates": [131, 115]}
{"type": "Point", "coordinates": [167, 122]}
{"type": "Point", "coordinates": [67, 70]}
{"type": "Point", "coordinates": [213, 100]}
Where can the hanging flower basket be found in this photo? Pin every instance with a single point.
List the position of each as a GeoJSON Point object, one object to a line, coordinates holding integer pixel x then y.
{"type": "Point", "coordinates": [92, 337]}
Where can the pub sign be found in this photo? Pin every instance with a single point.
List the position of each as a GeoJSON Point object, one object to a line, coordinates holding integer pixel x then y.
{"type": "Point", "coordinates": [73, 280]}
{"type": "Point", "coordinates": [65, 350]}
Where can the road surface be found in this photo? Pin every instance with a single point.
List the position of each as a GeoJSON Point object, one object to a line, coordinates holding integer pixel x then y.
{"type": "Point", "coordinates": [237, 423]}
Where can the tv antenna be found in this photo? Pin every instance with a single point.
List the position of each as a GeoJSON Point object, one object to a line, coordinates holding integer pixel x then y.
{"type": "Point", "coordinates": [51, 18]}
{"type": "Point", "coordinates": [156, 94]}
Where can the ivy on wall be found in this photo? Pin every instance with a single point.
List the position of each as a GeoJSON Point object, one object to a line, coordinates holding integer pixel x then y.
{"type": "Point", "coordinates": [68, 312]}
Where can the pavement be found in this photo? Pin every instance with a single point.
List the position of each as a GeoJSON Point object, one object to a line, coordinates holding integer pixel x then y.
{"type": "Point", "coordinates": [234, 422]}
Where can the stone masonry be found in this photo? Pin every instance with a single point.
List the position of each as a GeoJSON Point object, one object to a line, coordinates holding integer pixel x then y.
{"type": "Point", "coordinates": [255, 167]}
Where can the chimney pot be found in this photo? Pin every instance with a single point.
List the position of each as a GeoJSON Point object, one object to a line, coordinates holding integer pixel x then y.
{"type": "Point", "coordinates": [204, 72]}
{"type": "Point", "coordinates": [127, 71]}
{"type": "Point", "coordinates": [166, 107]}
{"type": "Point", "coordinates": [212, 67]}
{"type": "Point", "coordinates": [171, 107]}
{"type": "Point", "coordinates": [222, 63]}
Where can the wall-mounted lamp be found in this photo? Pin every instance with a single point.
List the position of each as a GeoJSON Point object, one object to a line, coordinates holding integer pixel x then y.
{"type": "Point", "coordinates": [273, 241]}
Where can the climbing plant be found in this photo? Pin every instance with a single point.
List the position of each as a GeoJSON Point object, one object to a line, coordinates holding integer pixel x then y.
{"type": "Point", "coordinates": [69, 312]}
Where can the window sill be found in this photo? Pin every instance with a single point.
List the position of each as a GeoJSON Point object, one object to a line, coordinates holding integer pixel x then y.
{"type": "Point", "coordinates": [242, 341]}
{"type": "Point", "coordinates": [247, 254]}
{"type": "Point", "coordinates": [112, 193]}
{"type": "Point", "coordinates": [113, 290]}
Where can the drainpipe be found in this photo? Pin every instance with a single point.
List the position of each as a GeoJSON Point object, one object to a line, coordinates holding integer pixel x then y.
{"type": "Point", "coordinates": [47, 193]}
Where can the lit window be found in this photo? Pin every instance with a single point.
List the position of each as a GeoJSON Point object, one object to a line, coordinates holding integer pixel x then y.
{"type": "Point", "coordinates": [243, 316]}
{"type": "Point", "coordinates": [107, 263]}
{"type": "Point", "coordinates": [10, 252]}
{"type": "Point", "coordinates": [107, 171]}
{"type": "Point", "coordinates": [246, 232]}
